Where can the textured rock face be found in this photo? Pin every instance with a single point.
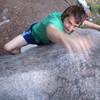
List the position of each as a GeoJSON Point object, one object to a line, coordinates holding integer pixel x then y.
{"type": "Point", "coordinates": [50, 73]}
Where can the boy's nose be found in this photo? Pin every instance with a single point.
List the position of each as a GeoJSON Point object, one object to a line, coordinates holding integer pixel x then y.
{"type": "Point", "coordinates": [72, 29]}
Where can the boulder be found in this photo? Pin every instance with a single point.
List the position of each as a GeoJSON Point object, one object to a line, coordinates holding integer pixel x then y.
{"type": "Point", "coordinates": [51, 73]}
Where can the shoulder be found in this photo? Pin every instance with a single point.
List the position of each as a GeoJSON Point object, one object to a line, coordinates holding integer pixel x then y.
{"type": "Point", "coordinates": [54, 18]}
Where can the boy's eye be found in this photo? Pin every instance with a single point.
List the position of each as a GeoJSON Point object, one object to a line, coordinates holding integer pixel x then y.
{"type": "Point", "coordinates": [69, 22]}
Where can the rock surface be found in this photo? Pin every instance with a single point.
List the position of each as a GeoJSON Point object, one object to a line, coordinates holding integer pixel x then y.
{"type": "Point", "coordinates": [50, 73]}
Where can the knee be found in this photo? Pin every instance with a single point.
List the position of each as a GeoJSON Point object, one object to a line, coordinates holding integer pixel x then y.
{"type": "Point", "coordinates": [7, 47]}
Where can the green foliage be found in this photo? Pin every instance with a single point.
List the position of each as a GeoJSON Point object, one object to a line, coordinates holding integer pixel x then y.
{"type": "Point", "coordinates": [95, 8]}
{"type": "Point", "coordinates": [98, 22]}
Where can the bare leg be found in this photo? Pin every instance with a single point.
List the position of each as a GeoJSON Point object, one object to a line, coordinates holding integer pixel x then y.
{"type": "Point", "coordinates": [15, 44]}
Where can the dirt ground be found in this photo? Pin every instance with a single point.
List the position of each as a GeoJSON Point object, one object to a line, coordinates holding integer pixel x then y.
{"type": "Point", "coordinates": [17, 15]}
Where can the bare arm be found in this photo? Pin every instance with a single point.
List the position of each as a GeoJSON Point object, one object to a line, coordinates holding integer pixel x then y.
{"type": "Point", "coordinates": [91, 25]}
{"type": "Point", "coordinates": [57, 36]}
{"type": "Point", "coordinates": [79, 44]}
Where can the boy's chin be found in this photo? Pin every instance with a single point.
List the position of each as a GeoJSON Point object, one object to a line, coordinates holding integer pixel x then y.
{"type": "Point", "coordinates": [68, 32]}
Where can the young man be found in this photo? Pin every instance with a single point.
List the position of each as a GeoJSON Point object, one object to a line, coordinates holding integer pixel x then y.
{"type": "Point", "coordinates": [54, 28]}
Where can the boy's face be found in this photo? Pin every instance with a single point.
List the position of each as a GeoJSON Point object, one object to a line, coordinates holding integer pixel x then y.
{"type": "Point", "coordinates": [70, 24]}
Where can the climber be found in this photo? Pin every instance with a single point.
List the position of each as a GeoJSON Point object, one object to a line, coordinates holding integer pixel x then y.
{"type": "Point", "coordinates": [55, 28]}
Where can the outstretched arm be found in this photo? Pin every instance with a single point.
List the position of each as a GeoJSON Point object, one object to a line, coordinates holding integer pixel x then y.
{"type": "Point", "coordinates": [79, 44]}
{"type": "Point", "coordinates": [57, 36]}
{"type": "Point", "coordinates": [91, 25]}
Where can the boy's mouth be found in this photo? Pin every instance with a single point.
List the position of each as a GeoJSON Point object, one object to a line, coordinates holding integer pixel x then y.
{"type": "Point", "coordinates": [67, 31]}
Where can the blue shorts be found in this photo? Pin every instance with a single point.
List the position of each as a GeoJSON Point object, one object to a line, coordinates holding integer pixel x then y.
{"type": "Point", "coordinates": [27, 35]}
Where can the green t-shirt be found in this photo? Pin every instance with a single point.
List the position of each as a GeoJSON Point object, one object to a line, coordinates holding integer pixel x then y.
{"type": "Point", "coordinates": [39, 30]}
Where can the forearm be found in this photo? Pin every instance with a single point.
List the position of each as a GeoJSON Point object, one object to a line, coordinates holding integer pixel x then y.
{"type": "Point", "coordinates": [59, 37]}
{"type": "Point", "coordinates": [67, 42]}
{"type": "Point", "coordinates": [91, 25]}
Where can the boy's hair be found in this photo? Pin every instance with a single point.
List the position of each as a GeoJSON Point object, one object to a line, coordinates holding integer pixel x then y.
{"type": "Point", "coordinates": [77, 12]}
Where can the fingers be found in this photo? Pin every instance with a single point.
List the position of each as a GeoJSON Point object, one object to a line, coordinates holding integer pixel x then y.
{"type": "Point", "coordinates": [70, 50]}
{"type": "Point", "coordinates": [80, 45]}
{"type": "Point", "coordinates": [84, 45]}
